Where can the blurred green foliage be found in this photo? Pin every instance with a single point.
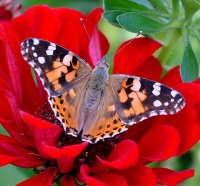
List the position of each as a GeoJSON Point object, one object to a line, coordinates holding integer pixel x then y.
{"type": "Point", "coordinates": [172, 53]}
{"type": "Point", "coordinates": [155, 18]}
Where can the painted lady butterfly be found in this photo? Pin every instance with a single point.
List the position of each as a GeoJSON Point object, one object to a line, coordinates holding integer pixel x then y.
{"type": "Point", "coordinates": [92, 102]}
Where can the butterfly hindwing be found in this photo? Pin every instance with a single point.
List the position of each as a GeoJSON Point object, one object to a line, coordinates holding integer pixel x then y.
{"type": "Point", "coordinates": [58, 68]}
{"type": "Point", "coordinates": [67, 108]}
{"type": "Point", "coordinates": [137, 98]}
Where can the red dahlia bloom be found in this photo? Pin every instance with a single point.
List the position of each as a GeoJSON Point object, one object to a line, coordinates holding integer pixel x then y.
{"type": "Point", "coordinates": [37, 141]}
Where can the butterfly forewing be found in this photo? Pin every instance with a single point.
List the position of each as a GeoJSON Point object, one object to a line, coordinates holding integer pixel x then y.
{"type": "Point", "coordinates": [137, 98]}
{"type": "Point", "coordinates": [58, 68]}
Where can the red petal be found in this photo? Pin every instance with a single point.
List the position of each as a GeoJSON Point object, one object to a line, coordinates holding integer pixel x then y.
{"type": "Point", "coordinates": [43, 179]}
{"type": "Point", "coordinates": [186, 123]}
{"type": "Point", "coordinates": [146, 71]}
{"type": "Point", "coordinates": [10, 61]}
{"type": "Point", "coordinates": [159, 143]}
{"type": "Point", "coordinates": [172, 77]}
{"type": "Point", "coordinates": [128, 60]}
{"type": "Point", "coordinates": [124, 155]}
{"type": "Point", "coordinates": [189, 92]}
{"type": "Point", "coordinates": [104, 179]}
{"type": "Point", "coordinates": [94, 47]}
{"type": "Point", "coordinates": [188, 128]}
{"type": "Point", "coordinates": [43, 131]}
{"type": "Point", "coordinates": [170, 177]}
{"type": "Point", "coordinates": [139, 176]}
{"type": "Point", "coordinates": [4, 160]}
{"type": "Point", "coordinates": [18, 135]}
{"type": "Point", "coordinates": [95, 15]}
{"type": "Point", "coordinates": [24, 157]}
{"type": "Point", "coordinates": [64, 156]}
{"type": "Point", "coordinates": [36, 24]}
{"type": "Point", "coordinates": [20, 79]}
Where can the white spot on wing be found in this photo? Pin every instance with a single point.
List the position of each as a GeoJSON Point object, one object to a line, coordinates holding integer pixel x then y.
{"type": "Point", "coordinates": [67, 59]}
{"type": "Point", "coordinates": [32, 48]}
{"type": "Point", "coordinates": [35, 41]}
{"type": "Point", "coordinates": [23, 52]}
{"type": "Point", "coordinates": [166, 104]}
{"type": "Point", "coordinates": [156, 86]}
{"type": "Point", "coordinates": [53, 44]}
{"type": "Point", "coordinates": [157, 103]}
{"type": "Point", "coordinates": [50, 47]}
{"type": "Point", "coordinates": [156, 92]}
{"type": "Point", "coordinates": [41, 60]}
{"type": "Point", "coordinates": [136, 86]}
{"type": "Point", "coordinates": [174, 93]}
{"type": "Point", "coordinates": [49, 52]}
{"type": "Point", "coordinates": [35, 54]}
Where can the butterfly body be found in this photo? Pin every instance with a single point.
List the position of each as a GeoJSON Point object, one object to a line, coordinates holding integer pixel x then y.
{"type": "Point", "coordinates": [92, 102]}
{"type": "Point", "coordinates": [97, 84]}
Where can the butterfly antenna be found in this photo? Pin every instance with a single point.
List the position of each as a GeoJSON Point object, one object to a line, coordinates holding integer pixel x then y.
{"type": "Point", "coordinates": [83, 23]}
{"type": "Point", "coordinates": [139, 33]}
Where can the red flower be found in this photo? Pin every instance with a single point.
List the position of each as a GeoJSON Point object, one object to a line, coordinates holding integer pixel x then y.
{"type": "Point", "coordinates": [36, 139]}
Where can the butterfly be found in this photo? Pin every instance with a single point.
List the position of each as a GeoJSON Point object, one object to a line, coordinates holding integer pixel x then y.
{"type": "Point", "coordinates": [92, 102]}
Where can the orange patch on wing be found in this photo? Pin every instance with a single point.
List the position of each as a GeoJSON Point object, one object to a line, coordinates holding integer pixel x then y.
{"type": "Point", "coordinates": [56, 85]}
{"type": "Point", "coordinates": [131, 111]}
{"type": "Point", "coordinates": [55, 74]}
{"type": "Point", "coordinates": [123, 96]}
{"type": "Point", "coordinates": [105, 128]}
{"type": "Point", "coordinates": [136, 104]}
{"type": "Point", "coordinates": [72, 93]}
{"type": "Point", "coordinates": [126, 113]}
{"type": "Point", "coordinates": [57, 64]}
{"type": "Point", "coordinates": [66, 112]}
{"type": "Point", "coordinates": [70, 76]}
{"type": "Point", "coordinates": [142, 96]}
{"type": "Point", "coordinates": [111, 108]}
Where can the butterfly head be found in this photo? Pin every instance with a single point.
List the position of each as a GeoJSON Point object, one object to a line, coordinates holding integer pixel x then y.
{"type": "Point", "coordinates": [103, 63]}
{"type": "Point", "coordinates": [100, 72]}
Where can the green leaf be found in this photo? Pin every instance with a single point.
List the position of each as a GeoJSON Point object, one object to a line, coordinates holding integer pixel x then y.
{"type": "Point", "coordinates": [134, 22]}
{"type": "Point", "coordinates": [190, 6]}
{"type": "Point", "coordinates": [111, 17]}
{"type": "Point", "coordinates": [159, 4]}
{"type": "Point", "coordinates": [189, 65]}
{"type": "Point", "coordinates": [130, 6]}
{"type": "Point", "coordinates": [124, 5]}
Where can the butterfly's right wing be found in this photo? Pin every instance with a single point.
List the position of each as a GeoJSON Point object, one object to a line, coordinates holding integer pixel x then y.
{"type": "Point", "coordinates": [58, 68]}
{"type": "Point", "coordinates": [138, 98]}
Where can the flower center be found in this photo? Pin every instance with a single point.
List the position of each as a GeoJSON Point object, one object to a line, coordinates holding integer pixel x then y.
{"type": "Point", "coordinates": [102, 148]}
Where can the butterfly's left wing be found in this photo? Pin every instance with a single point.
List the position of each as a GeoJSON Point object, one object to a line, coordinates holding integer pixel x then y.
{"type": "Point", "coordinates": [63, 75]}
{"type": "Point", "coordinates": [58, 68]}
{"type": "Point", "coordinates": [138, 98]}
